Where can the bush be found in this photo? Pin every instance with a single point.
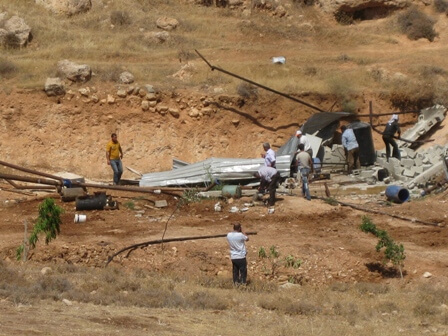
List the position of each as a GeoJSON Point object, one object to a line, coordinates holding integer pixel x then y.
{"type": "Point", "coordinates": [417, 25]}
{"type": "Point", "coordinates": [7, 68]}
{"type": "Point", "coordinates": [11, 41]}
{"type": "Point", "coordinates": [441, 6]}
{"type": "Point", "coordinates": [247, 90]}
{"type": "Point", "coordinates": [409, 96]}
{"type": "Point", "coordinates": [119, 18]}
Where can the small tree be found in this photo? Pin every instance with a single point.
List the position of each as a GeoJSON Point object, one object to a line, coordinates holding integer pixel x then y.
{"type": "Point", "coordinates": [48, 222]}
{"type": "Point", "coordinates": [393, 252]}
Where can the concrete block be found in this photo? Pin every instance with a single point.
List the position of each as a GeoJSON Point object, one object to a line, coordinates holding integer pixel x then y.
{"type": "Point", "coordinates": [426, 166]}
{"type": "Point", "coordinates": [398, 170]}
{"type": "Point", "coordinates": [407, 163]}
{"type": "Point", "coordinates": [418, 169]}
{"type": "Point", "coordinates": [410, 153]}
{"type": "Point", "coordinates": [418, 161]}
{"type": "Point", "coordinates": [381, 161]}
{"type": "Point", "coordinates": [366, 173]}
{"type": "Point", "coordinates": [395, 162]}
{"type": "Point", "coordinates": [409, 173]}
{"type": "Point", "coordinates": [161, 204]}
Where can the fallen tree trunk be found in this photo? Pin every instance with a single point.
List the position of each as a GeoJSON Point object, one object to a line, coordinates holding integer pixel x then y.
{"type": "Point", "coordinates": [161, 241]}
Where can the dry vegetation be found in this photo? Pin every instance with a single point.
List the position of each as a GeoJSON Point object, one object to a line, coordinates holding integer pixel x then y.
{"type": "Point", "coordinates": [341, 308]}
{"type": "Point", "coordinates": [322, 57]}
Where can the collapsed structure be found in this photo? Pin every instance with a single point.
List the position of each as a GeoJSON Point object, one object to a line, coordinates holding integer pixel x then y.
{"type": "Point", "coordinates": [416, 169]}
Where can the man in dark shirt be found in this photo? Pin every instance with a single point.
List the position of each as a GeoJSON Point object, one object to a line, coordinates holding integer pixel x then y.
{"type": "Point", "coordinates": [388, 137]}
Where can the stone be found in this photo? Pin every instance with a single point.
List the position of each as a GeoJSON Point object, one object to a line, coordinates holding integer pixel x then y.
{"type": "Point", "coordinates": [161, 204]}
{"type": "Point", "coordinates": [74, 72]}
{"type": "Point", "coordinates": [110, 99]}
{"type": "Point", "coordinates": [126, 78]}
{"type": "Point", "coordinates": [22, 32]}
{"type": "Point", "coordinates": [84, 92]}
{"type": "Point", "coordinates": [67, 302]}
{"type": "Point", "coordinates": [122, 93]}
{"type": "Point", "coordinates": [156, 37]}
{"type": "Point", "coordinates": [167, 23]}
{"type": "Point", "coordinates": [145, 105]}
{"type": "Point", "coordinates": [54, 87]}
{"type": "Point", "coordinates": [66, 7]}
{"type": "Point", "coordinates": [174, 112]}
{"type": "Point", "coordinates": [46, 270]}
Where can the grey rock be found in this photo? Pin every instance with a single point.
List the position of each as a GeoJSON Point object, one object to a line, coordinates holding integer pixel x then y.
{"type": "Point", "coordinates": [54, 87]}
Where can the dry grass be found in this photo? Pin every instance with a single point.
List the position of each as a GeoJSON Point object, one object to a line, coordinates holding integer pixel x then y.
{"type": "Point", "coordinates": [112, 38]}
{"type": "Point", "coordinates": [339, 309]}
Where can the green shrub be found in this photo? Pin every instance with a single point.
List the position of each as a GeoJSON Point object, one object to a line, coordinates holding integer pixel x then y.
{"type": "Point", "coordinates": [393, 252]}
{"type": "Point", "coordinates": [48, 222]}
{"type": "Point", "coordinates": [130, 205]}
{"type": "Point", "coordinates": [417, 25]}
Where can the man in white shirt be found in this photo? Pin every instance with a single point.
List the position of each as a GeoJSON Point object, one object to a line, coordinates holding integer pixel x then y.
{"type": "Point", "coordinates": [306, 143]}
{"type": "Point", "coordinates": [269, 157]}
{"type": "Point", "coordinates": [351, 148]}
{"type": "Point", "coordinates": [237, 239]}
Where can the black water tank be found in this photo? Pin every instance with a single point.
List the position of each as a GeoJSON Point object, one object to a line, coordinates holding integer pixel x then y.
{"type": "Point", "coordinates": [363, 134]}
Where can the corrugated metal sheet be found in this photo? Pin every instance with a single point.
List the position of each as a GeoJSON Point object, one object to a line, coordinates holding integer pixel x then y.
{"type": "Point", "coordinates": [222, 169]}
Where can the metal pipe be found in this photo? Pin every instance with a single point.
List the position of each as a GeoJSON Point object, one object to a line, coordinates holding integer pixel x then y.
{"type": "Point", "coordinates": [29, 179]}
{"type": "Point", "coordinates": [31, 171]}
{"type": "Point", "coordinates": [15, 185]}
{"type": "Point", "coordinates": [259, 85]}
{"type": "Point", "coordinates": [146, 190]}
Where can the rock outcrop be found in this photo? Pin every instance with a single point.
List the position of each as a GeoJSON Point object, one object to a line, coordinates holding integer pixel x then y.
{"type": "Point", "coordinates": [14, 32]}
{"type": "Point", "coordinates": [66, 7]}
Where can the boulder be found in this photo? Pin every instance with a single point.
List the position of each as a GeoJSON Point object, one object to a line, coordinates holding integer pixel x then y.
{"type": "Point", "coordinates": [167, 23]}
{"type": "Point", "coordinates": [74, 72]}
{"type": "Point", "coordinates": [15, 27]}
{"type": "Point", "coordinates": [54, 87]}
{"type": "Point", "coordinates": [66, 7]}
{"type": "Point", "coordinates": [126, 78]}
{"type": "Point", "coordinates": [156, 37]}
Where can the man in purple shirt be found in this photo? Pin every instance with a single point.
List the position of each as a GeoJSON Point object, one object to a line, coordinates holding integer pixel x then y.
{"type": "Point", "coordinates": [269, 157]}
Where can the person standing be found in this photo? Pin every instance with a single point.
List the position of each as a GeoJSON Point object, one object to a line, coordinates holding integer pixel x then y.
{"type": "Point", "coordinates": [392, 127]}
{"type": "Point", "coordinates": [269, 156]}
{"type": "Point", "coordinates": [306, 143]}
{"type": "Point", "coordinates": [269, 177]}
{"type": "Point", "coordinates": [237, 239]}
{"type": "Point", "coordinates": [351, 148]}
{"type": "Point", "coordinates": [114, 154]}
{"type": "Point", "coordinates": [304, 166]}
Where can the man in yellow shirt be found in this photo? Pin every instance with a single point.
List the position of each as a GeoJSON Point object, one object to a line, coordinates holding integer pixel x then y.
{"type": "Point", "coordinates": [114, 154]}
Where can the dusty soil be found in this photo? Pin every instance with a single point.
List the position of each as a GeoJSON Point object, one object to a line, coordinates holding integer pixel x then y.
{"type": "Point", "coordinates": [70, 136]}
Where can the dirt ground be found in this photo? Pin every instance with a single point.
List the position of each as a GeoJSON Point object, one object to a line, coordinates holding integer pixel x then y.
{"type": "Point", "coordinates": [70, 137]}
{"type": "Point", "coordinates": [52, 136]}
